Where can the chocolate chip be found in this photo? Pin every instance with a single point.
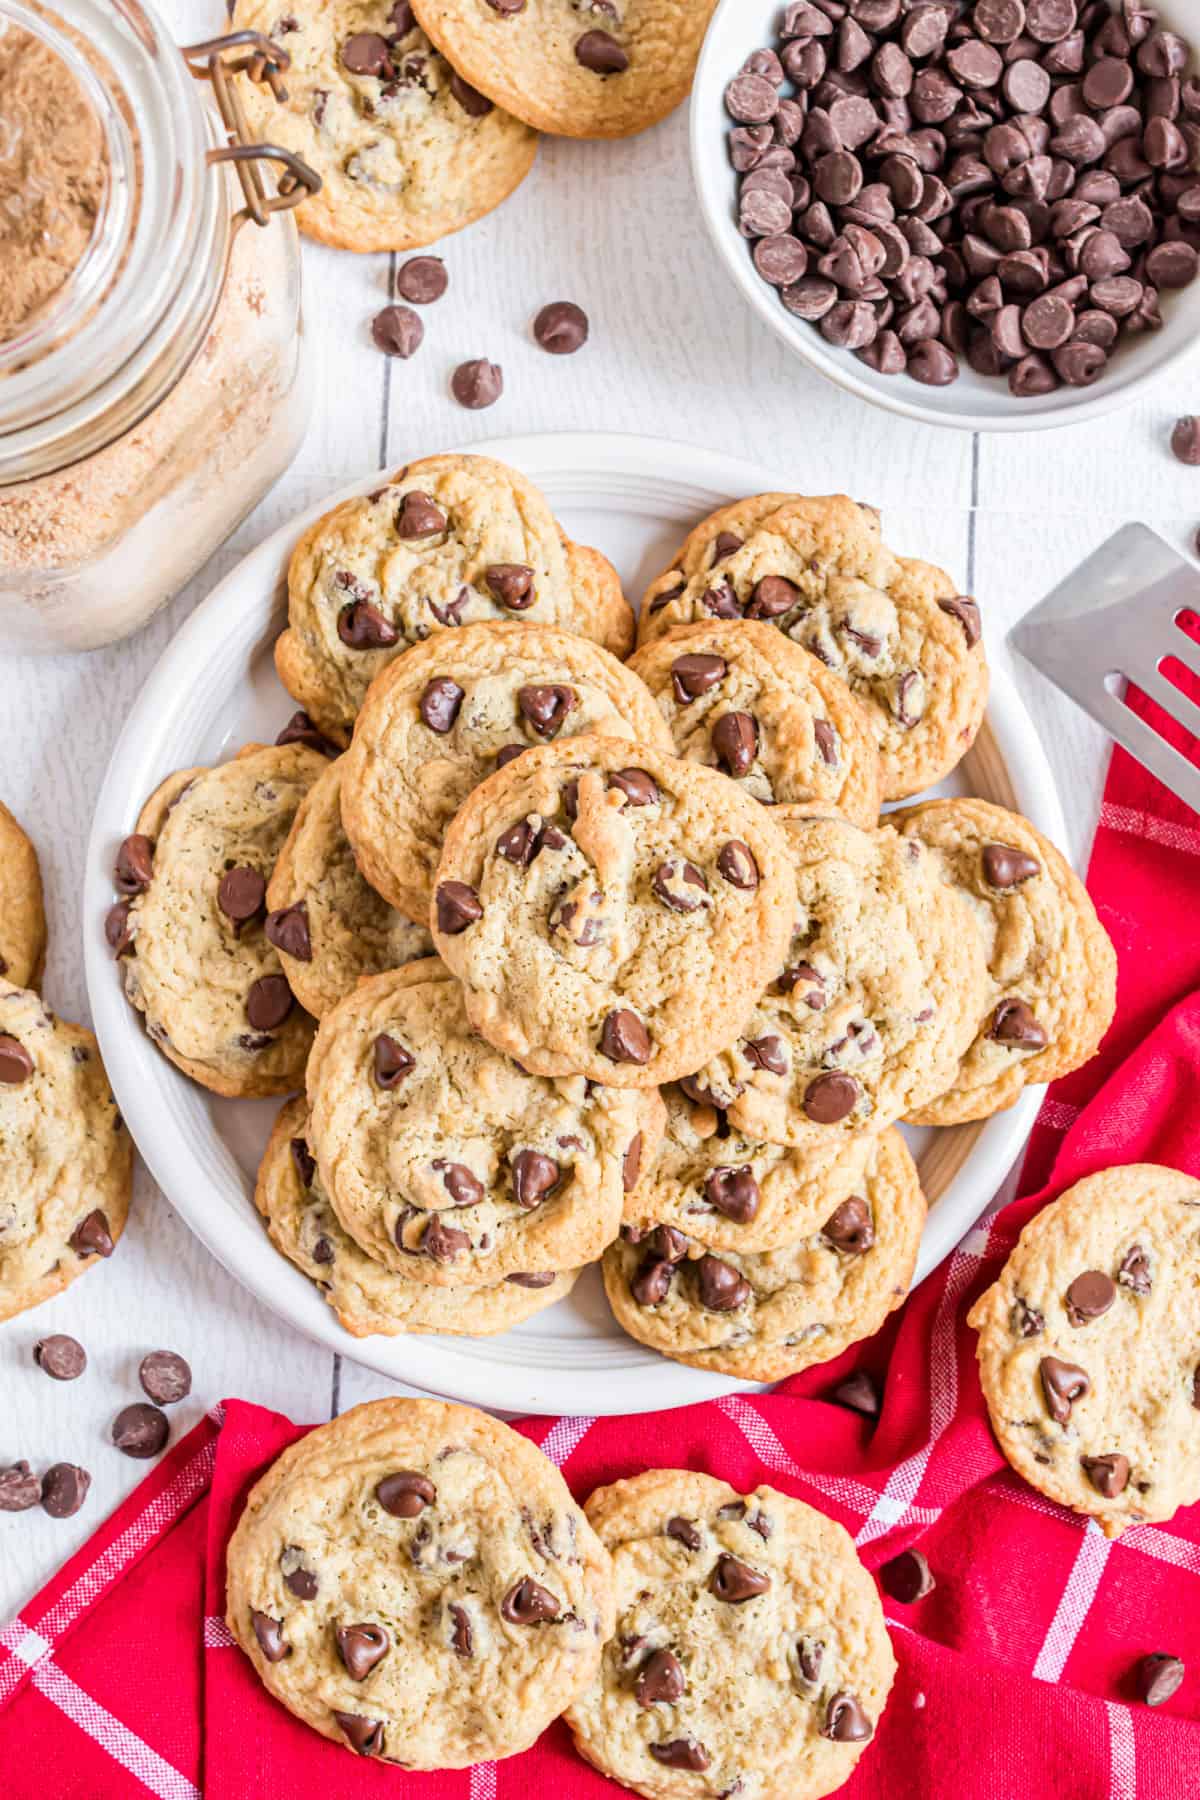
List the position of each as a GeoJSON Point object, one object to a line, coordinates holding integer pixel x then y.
{"type": "Point", "coordinates": [364, 1736]}
{"type": "Point", "coordinates": [117, 929]}
{"type": "Point", "coordinates": [660, 1679]}
{"type": "Point", "coordinates": [269, 1633]}
{"type": "Point", "coordinates": [830, 1098]}
{"type": "Point", "coordinates": [19, 1488]}
{"type": "Point", "coordinates": [631, 1164]}
{"type": "Point", "coordinates": [405, 1493]}
{"type": "Point", "coordinates": [512, 585]}
{"type": "Point", "coordinates": [696, 674]}
{"type": "Point", "coordinates": [165, 1377]}
{"type": "Point", "coordinates": [1185, 440]}
{"type": "Point", "coordinates": [751, 99]}
{"type": "Point", "coordinates": [1109, 1474]}
{"type": "Point", "coordinates": [1157, 1677]}
{"type": "Point", "coordinates": [439, 704]}
{"type": "Point", "coordinates": [680, 886]}
{"type": "Point", "coordinates": [734, 1193]}
{"type": "Point", "coordinates": [64, 1489]}
{"type": "Point", "coordinates": [850, 1227]}
{"type": "Point", "coordinates": [652, 1280]}
{"type": "Point", "coordinates": [301, 730]}
{"type": "Point", "coordinates": [773, 596]}
{"type": "Point", "coordinates": [391, 1062]}
{"type": "Point", "coordinates": [535, 1175]}
{"type": "Point", "coordinates": [1026, 1321]}
{"type": "Point", "coordinates": [561, 328]}
{"type": "Point", "coordinates": [1013, 1023]}
{"type": "Point", "coordinates": [1089, 1296]}
{"type": "Point", "coordinates": [457, 907]}
{"type": "Point", "coordinates": [422, 279]}
{"type": "Point", "coordinates": [241, 893]}
{"type": "Point", "coordinates": [624, 1038]}
{"type": "Point", "coordinates": [62, 1358]}
{"type": "Point", "coordinates": [735, 1581]}
{"type": "Point", "coordinates": [907, 1577]}
{"type": "Point", "coordinates": [134, 864]}
{"type": "Point", "coordinates": [638, 786]}
{"type": "Point", "coordinates": [16, 1064]}
{"type": "Point", "coordinates": [419, 516]}
{"type": "Point", "coordinates": [545, 709]}
{"type": "Point", "coordinates": [721, 1288]}
{"type": "Point", "coordinates": [859, 1393]}
{"type": "Point", "coordinates": [92, 1237]}
{"type": "Point", "coordinates": [684, 1532]}
{"type": "Point", "coordinates": [845, 1720]}
{"type": "Point", "coordinates": [461, 1640]}
{"type": "Point", "coordinates": [736, 863]}
{"type": "Point", "coordinates": [1006, 867]}
{"type": "Point", "coordinates": [361, 626]}
{"type": "Point", "coordinates": [441, 1242]}
{"type": "Point", "coordinates": [361, 1648]}
{"type": "Point", "coordinates": [1062, 1384]}
{"type": "Point", "coordinates": [287, 929]}
{"type": "Point", "coordinates": [475, 105]}
{"type": "Point", "coordinates": [269, 1002]}
{"type": "Point", "coordinates": [735, 740]}
{"type": "Point", "coordinates": [397, 331]}
{"type": "Point", "coordinates": [477, 383]}
{"type": "Point", "coordinates": [366, 53]}
{"type": "Point", "coordinates": [766, 1053]}
{"type": "Point", "coordinates": [528, 1603]}
{"type": "Point", "coordinates": [140, 1430]}
{"type": "Point", "coordinates": [1134, 1272]}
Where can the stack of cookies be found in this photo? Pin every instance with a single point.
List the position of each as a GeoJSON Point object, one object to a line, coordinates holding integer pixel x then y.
{"type": "Point", "coordinates": [420, 116]}
{"type": "Point", "coordinates": [414, 1581]}
{"type": "Point", "coordinates": [579, 959]}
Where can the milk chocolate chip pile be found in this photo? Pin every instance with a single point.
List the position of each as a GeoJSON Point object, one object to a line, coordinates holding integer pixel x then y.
{"type": "Point", "coordinates": [1014, 182]}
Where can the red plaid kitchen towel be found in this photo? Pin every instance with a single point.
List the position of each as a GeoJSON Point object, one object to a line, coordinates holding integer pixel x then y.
{"type": "Point", "coordinates": [120, 1677]}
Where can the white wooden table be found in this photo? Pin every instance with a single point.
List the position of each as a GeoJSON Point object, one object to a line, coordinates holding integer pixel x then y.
{"type": "Point", "coordinates": [672, 353]}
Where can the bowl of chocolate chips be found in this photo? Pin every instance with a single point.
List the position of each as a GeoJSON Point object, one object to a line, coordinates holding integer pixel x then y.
{"type": "Point", "coordinates": [976, 213]}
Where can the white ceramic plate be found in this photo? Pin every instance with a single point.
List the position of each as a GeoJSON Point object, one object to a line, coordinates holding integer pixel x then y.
{"type": "Point", "coordinates": [215, 688]}
{"type": "Point", "coordinates": [973, 402]}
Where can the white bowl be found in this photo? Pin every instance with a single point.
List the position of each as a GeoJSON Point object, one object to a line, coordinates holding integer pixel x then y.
{"type": "Point", "coordinates": [973, 402]}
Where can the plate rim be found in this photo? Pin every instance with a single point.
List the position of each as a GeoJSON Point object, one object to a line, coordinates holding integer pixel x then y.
{"type": "Point", "coordinates": [446, 1365]}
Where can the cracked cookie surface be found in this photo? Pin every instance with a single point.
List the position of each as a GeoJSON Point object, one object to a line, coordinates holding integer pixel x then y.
{"type": "Point", "coordinates": [448, 713]}
{"type": "Point", "coordinates": [406, 150]}
{"type": "Point", "coordinates": [745, 699]}
{"type": "Point", "coordinates": [342, 928]}
{"type": "Point", "coordinates": [415, 1582]}
{"type": "Point", "coordinates": [768, 1314]}
{"type": "Point", "coordinates": [366, 1297]}
{"type": "Point", "coordinates": [1089, 1349]}
{"type": "Point", "coordinates": [868, 1012]}
{"type": "Point", "coordinates": [576, 68]}
{"type": "Point", "coordinates": [750, 1654]}
{"type": "Point", "coordinates": [447, 541]}
{"type": "Point", "coordinates": [611, 910]}
{"type": "Point", "coordinates": [895, 629]}
{"type": "Point", "coordinates": [66, 1168]}
{"type": "Point", "coordinates": [192, 938]}
{"type": "Point", "coordinates": [22, 911]}
{"type": "Point", "coordinates": [446, 1160]}
{"type": "Point", "coordinates": [1051, 967]}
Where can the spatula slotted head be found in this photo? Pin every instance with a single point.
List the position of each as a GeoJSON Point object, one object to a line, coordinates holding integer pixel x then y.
{"type": "Point", "coordinates": [1115, 621]}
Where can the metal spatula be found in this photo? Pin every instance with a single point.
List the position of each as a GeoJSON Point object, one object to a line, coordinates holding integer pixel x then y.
{"type": "Point", "coordinates": [1114, 621]}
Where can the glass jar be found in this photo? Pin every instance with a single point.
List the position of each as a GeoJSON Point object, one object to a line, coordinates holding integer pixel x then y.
{"type": "Point", "coordinates": [150, 401]}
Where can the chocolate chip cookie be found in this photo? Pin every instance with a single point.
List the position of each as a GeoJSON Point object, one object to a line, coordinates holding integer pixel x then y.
{"type": "Point", "coordinates": [67, 1171]}
{"type": "Point", "coordinates": [763, 1315]}
{"type": "Point", "coordinates": [710, 1181]}
{"type": "Point", "coordinates": [325, 919]}
{"type": "Point", "coordinates": [1089, 1348]}
{"type": "Point", "coordinates": [191, 936]}
{"type": "Point", "coordinates": [451, 711]}
{"type": "Point", "coordinates": [448, 541]}
{"type": "Point", "coordinates": [896, 630]}
{"type": "Point", "coordinates": [870, 1009]}
{"type": "Point", "coordinates": [407, 151]}
{"type": "Point", "coordinates": [415, 1582]}
{"type": "Point", "coordinates": [750, 1654]}
{"type": "Point", "coordinates": [22, 913]}
{"type": "Point", "coordinates": [1052, 969]}
{"type": "Point", "coordinates": [745, 699]}
{"type": "Point", "coordinates": [611, 911]}
{"type": "Point", "coordinates": [366, 1297]}
{"type": "Point", "coordinates": [576, 68]}
{"type": "Point", "coordinates": [446, 1160]}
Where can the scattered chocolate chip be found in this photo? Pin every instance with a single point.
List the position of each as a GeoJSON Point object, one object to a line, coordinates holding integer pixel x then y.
{"type": "Point", "coordinates": [62, 1358]}
{"type": "Point", "coordinates": [512, 585]}
{"type": "Point", "coordinates": [361, 1648]}
{"type": "Point", "coordinates": [1157, 1677]}
{"type": "Point", "coordinates": [1089, 1296]}
{"type": "Point", "coordinates": [1109, 1474]}
{"type": "Point", "coordinates": [391, 1062]}
{"type": "Point", "coordinates": [16, 1064]}
{"type": "Point", "coordinates": [419, 516]}
{"type": "Point", "coordinates": [134, 865]}
{"type": "Point", "coordinates": [735, 1581]}
{"type": "Point", "coordinates": [92, 1237]}
{"type": "Point", "coordinates": [364, 1736]}
{"type": "Point", "coordinates": [269, 1002]}
{"type": "Point", "coordinates": [561, 328]}
{"type": "Point", "coordinates": [1005, 867]}
{"type": "Point", "coordinates": [477, 383]}
{"type": "Point", "coordinates": [64, 1489]}
{"type": "Point", "coordinates": [287, 929]}
{"type": "Point", "coordinates": [528, 1603]}
{"type": "Point", "coordinates": [1062, 1384]}
{"type": "Point", "coordinates": [422, 280]}
{"type": "Point", "coordinates": [457, 907]}
{"type": "Point", "coordinates": [845, 1720]}
{"type": "Point", "coordinates": [859, 1393]}
{"type": "Point", "coordinates": [165, 1377]}
{"type": "Point", "coordinates": [681, 1753]}
{"type": "Point", "coordinates": [624, 1038]}
{"type": "Point", "coordinates": [19, 1488]}
{"type": "Point", "coordinates": [830, 1098]}
{"type": "Point", "coordinates": [405, 1493]}
{"type": "Point", "coordinates": [140, 1430]}
{"type": "Point", "coordinates": [397, 331]}
{"type": "Point", "coordinates": [1185, 439]}
{"type": "Point", "coordinates": [907, 1577]}
{"type": "Point", "coordinates": [736, 863]}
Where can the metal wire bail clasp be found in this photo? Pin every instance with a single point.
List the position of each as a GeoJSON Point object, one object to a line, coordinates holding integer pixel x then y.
{"type": "Point", "coordinates": [252, 54]}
